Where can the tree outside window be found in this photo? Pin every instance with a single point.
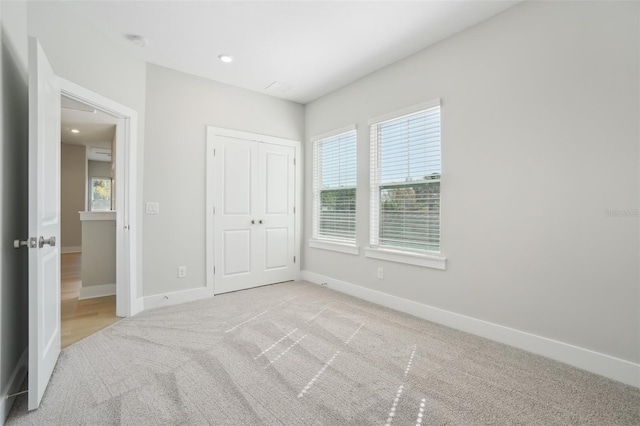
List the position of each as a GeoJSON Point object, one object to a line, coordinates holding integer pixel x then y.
{"type": "Point", "coordinates": [100, 194]}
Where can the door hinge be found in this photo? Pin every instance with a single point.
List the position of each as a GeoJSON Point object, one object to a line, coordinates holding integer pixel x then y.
{"type": "Point", "coordinates": [294, 161]}
{"type": "Point", "coordinates": [214, 270]}
{"type": "Point", "coordinates": [214, 209]}
{"type": "Point", "coordinates": [214, 152]}
{"type": "Point", "coordinates": [294, 259]}
{"type": "Point", "coordinates": [294, 209]}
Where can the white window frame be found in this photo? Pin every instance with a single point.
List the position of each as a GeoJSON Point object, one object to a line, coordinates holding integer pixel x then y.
{"type": "Point", "coordinates": [426, 259]}
{"type": "Point", "coordinates": [317, 241]}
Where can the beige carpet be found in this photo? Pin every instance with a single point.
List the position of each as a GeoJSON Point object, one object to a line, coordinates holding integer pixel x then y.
{"type": "Point", "coordinates": [300, 354]}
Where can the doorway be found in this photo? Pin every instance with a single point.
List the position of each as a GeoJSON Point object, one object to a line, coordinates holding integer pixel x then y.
{"type": "Point", "coordinates": [124, 193]}
{"type": "Point", "coordinates": [88, 220]}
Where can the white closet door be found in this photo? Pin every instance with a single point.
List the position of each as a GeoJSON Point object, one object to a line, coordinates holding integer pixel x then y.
{"type": "Point", "coordinates": [275, 203]}
{"type": "Point", "coordinates": [254, 223]}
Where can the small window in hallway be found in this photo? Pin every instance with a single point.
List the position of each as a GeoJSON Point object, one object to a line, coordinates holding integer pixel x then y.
{"type": "Point", "coordinates": [100, 194]}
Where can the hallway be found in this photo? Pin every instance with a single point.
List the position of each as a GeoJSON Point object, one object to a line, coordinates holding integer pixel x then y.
{"type": "Point", "coordinates": [81, 318]}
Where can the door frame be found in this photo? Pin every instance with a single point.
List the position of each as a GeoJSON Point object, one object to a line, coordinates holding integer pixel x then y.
{"type": "Point", "coordinates": [212, 133]}
{"type": "Point", "coordinates": [127, 230]}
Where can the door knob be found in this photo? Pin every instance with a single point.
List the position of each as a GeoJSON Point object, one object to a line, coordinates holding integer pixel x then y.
{"type": "Point", "coordinates": [253, 222]}
{"type": "Point", "coordinates": [51, 241]}
{"type": "Point", "coordinates": [260, 221]}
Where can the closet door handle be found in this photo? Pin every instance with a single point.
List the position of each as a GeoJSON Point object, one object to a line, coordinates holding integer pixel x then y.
{"type": "Point", "coordinates": [260, 221]}
{"type": "Point", "coordinates": [253, 222]}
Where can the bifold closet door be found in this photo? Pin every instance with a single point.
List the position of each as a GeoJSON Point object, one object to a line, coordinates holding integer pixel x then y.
{"type": "Point", "coordinates": [254, 220]}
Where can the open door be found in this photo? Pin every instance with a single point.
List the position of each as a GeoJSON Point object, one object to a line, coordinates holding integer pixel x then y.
{"type": "Point", "coordinates": [44, 222]}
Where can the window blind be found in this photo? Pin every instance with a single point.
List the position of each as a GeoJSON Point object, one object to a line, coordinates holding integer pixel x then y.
{"type": "Point", "coordinates": [405, 182]}
{"type": "Point", "coordinates": [334, 183]}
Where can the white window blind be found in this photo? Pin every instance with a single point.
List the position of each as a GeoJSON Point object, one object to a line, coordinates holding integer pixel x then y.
{"type": "Point", "coordinates": [405, 182]}
{"type": "Point", "coordinates": [334, 188]}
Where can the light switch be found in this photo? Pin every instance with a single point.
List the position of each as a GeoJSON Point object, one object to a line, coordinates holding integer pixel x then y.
{"type": "Point", "coordinates": [152, 207]}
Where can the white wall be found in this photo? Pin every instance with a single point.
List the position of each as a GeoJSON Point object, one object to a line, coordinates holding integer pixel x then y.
{"type": "Point", "coordinates": [81, 54]}
{"type": "Point", "coordinates": [100, 169]}
{"type": "Point", "coordinates": [539, 138]}
{"type": "Point", "coordinates": [14, 130]}
{"type": "Point", "coordinates": [98, 253]}
{"type": "Point", "coordinates": [179, 108]}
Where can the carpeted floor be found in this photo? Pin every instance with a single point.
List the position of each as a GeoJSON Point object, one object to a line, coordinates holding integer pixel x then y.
{"type": "Point", "coordinates": [300, 354]}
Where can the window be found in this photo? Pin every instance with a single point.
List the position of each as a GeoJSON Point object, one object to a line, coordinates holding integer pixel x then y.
{"type": "Point", "coordinates": [334, 188]}
{"type": "Point", "coordinates": [405, 181]}
{"type": "Point", "coordinates": [100, 194]}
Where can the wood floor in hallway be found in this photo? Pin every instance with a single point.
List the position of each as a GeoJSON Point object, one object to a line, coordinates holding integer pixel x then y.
{"type": "Point", "coordinates": [81, 318]}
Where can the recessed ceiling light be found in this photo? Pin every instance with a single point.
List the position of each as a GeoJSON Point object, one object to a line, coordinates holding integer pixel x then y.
{"type": "Point", "coordinates": [226, 58]}
{"type": "Point", "coordinates": [75, 131]}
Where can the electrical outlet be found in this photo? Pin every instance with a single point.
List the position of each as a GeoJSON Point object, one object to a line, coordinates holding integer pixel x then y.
{"type": "Point", "coordinates": [182, 271]}
{"type": "Point", "coordinates": [152, 207]}
{"type": "Point", "coordinates": [380, 273]}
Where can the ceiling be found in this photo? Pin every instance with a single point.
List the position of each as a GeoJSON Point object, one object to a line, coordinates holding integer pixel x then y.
{"type": "Point", "coordinates": [95, 129]}
{"type": "Point", "coordinates": [314, 47]}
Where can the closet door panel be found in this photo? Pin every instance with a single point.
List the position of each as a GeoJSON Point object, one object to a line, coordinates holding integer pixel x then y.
{"type": "Point", "coordinates": [235, 193]}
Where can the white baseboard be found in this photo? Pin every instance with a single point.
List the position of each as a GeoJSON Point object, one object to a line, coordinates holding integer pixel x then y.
{"type": "Point", "coordinates": [586, 359]}
{"type": "Point", "coordinates": [13, 385]}
{"type": "Point", "coordinates": [93, 291]}
{"type": "Point", "coordinates": [71, 249]}
{"type": "Point", "coordinates": [176, 297]}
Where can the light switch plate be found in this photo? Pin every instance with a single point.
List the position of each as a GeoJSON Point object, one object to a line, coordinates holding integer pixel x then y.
{"type": "Point", "coordinates": [152, 207]}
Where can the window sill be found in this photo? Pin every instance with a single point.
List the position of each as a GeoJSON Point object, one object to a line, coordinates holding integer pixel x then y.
{"type": "Point", "coordinates": [425, 260]}
{"type": "Point", "coordinates": [98, 215]}
{"type": "Point", "coordinates": [335, 246]}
